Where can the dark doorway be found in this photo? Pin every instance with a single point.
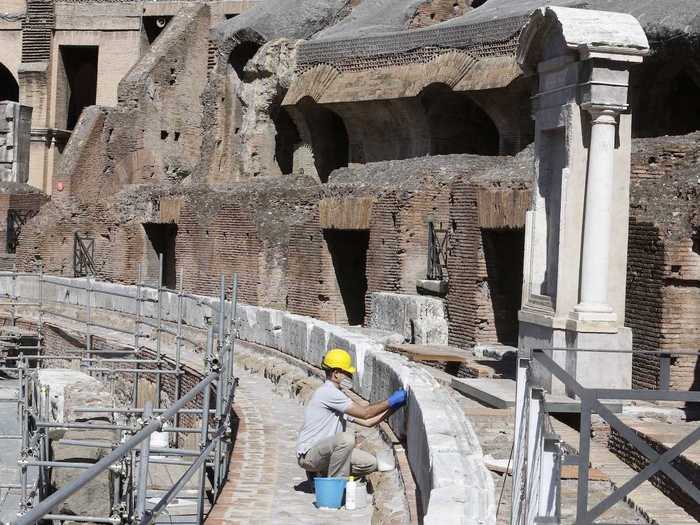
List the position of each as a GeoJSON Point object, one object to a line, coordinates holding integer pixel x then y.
{"type": "Point", "coordinates": [503, 254]}
{"type": "Point", "coordinates": [163, 240]}
{"type": "Point", "coordinates": [348, 249]}
{"type": "Point", "coordinates": [457, 124]}
{"type": "Point", "coordinates": [80, 69]}
{"type": "Point", "coordinates": [9, 89]}
{"type": "Point", "coordinates": [240, 56]}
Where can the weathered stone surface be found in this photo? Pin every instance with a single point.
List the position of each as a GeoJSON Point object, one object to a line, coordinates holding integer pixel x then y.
{"type": "Point", "coordinates": [67, 389]}
{"type": "Point", "coordinates": [421, 319]}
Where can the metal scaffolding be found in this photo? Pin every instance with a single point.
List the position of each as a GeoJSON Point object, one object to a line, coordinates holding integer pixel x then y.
{"type": "Point", "coordinates": [131, 456]}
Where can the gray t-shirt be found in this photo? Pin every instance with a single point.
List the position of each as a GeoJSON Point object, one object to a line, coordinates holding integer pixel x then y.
{"type": "Point", "coordinates": [324, 416]}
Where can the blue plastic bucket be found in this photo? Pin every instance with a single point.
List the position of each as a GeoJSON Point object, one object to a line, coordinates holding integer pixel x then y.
{"type": "Point", "coordinates": [329, 492]}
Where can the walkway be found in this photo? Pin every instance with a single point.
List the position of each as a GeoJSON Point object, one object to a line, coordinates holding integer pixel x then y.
{"type": "Point", "coordinates": [266, 486]}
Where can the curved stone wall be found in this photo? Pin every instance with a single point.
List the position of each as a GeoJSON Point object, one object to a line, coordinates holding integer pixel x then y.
{"type": "Point", "coordinates": [442, 448]}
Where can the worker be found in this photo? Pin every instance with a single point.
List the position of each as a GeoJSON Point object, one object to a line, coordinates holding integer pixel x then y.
{"type": "Point", "coordinates": [324, 446]}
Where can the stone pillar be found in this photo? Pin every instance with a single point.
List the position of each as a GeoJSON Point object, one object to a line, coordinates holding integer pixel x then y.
{"type": "Point", "coordinates": [595, 258]}
{"type": "Point", "coordinates": [576, 229]}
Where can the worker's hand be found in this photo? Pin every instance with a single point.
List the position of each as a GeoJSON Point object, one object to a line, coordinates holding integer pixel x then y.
{"type": "Point", "coordinates": [397, 399]}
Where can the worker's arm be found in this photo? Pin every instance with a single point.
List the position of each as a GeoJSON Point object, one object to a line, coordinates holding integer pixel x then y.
{"type": "Point", "coordinates": [373, 420]}
{"type": "Point", "coordinates": [368, 412]}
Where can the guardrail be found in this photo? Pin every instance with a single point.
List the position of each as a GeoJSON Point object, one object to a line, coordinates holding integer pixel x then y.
{"type": "Point", "coordinates": [538, 454]}
{"type": "Point", "coordinates": [128, 462]}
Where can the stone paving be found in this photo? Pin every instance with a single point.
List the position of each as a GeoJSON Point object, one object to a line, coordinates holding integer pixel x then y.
{"type": "Point", "coordinates": [266, 486]}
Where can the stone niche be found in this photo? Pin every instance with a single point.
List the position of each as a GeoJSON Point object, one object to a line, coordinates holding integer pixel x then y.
{"type": "Point", "coordinates": [577, 224]}
{"type": "Point", "coordinates": [15, 127]}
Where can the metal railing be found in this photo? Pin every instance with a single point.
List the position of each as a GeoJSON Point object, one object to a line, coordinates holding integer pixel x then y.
{"type": "Point", "coordinates": [83, 256]}
{"type": "Point", "coordinates": [538, 451]}
{"type": "Point", "coordinates": [129, 460]}
{"type": "Point", "coordinates": [438, 241]}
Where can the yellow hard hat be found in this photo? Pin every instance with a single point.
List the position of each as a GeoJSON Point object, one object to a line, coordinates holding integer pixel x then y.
{"type": "Point", "coordinates": [338, 359]}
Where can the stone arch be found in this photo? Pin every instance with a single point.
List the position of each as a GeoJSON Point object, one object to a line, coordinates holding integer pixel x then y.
{"type": "Point", "coordinates": [457, 124]}
{"type": "Point", "coordinates": [9, 88]}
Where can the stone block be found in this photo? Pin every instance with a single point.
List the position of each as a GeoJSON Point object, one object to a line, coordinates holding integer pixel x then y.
{"type": "Point", "coordinates": [70, 388]}
{"type": "Point", "coordinates": [295, 335]}
{"type": "Point", "coordinates": [413, 316]}
{"type": "Point", "coordinates": [430, 331]}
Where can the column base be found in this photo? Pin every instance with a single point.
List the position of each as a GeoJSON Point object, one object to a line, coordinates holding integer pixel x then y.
{"type": "Point", "coordinates": [593, 317]}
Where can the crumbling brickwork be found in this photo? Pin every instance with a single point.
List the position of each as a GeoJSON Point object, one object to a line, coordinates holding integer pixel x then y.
{"type": "Point", "coordinates": [663, 297]}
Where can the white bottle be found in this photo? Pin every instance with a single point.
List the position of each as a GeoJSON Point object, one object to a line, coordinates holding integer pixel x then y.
{"type": "Point", "coordinates": [351, 494]}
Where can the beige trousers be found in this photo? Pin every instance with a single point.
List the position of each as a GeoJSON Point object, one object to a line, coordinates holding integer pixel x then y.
{"type": "Point", "coordinates": [337, 457]}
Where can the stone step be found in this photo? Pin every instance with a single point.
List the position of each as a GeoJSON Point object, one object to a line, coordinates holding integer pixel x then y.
{"type": "Point", "coordinates": [500, 393]}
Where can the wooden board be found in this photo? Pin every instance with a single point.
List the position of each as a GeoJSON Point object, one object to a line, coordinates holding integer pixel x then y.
{"type": "Point", "coordinates": [441, 353]}
{"type": "Point", "coordinates": [571, 472]}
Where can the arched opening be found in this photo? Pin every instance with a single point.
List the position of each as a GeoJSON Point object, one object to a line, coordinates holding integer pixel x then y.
{"type": "Point", "coordinates": [286, 140]}
{"type": "Point", "coordinates": [457, 124]}
{"type": "Point", "coordinates": [478, 3]}
{"type": "Point", "coordinates": [9, 89]}
{"type": "Point", "coordinates": [241, 55]}
{"type": "Point", "coordinates": [329, 138]}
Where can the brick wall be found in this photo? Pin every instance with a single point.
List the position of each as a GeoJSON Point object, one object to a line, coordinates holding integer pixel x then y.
{"type": "Point", "coordinates": [227, 242]}
{"type": "Point", "coordinates": [663, 275]}
{"type": "Point", "coordinates": [383, 266]}
{"type": "Point", "coordinates": [463, 258]}
{"type": "Point", "coordinates": [305, 278]}
{"type": "Point", "coordinates": [644, 300]}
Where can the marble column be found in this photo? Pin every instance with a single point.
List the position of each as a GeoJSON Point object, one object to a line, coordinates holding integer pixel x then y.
{"type": "Point", "coordinates": [597, 219]}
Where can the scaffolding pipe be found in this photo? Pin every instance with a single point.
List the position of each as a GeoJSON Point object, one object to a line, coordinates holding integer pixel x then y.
{"type": "Point", "coordinates": [205, 431]}
{"type": "Point", "coordinates": [143, 465]}
{"type": "Point", "coordinates": [159, 328]}
{"type": "Point", "coordinates": [156, 424]}
{"type": "Point", "coordinates": [159, 507]}
{"type": "Point", "coordinates": [83, 519]}
{"type": "Point", "coordinates": [137, 330]}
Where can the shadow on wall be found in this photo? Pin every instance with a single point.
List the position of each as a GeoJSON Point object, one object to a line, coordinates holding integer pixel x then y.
{"type": "Point", "coordinates": [666, 100]}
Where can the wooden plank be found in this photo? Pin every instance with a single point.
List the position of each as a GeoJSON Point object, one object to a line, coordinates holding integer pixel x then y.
{"type": "Point", "coordinates": [571, 472]}
{"type": "Point", "coordinates": [441, 353]}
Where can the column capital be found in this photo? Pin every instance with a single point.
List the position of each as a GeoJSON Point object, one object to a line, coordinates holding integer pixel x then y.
{"type": "Point", "coordinates": [603, 113]}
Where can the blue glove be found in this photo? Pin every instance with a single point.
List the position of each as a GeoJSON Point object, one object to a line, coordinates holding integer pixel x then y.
{"type": "Point", "coordinates": [397, 399]}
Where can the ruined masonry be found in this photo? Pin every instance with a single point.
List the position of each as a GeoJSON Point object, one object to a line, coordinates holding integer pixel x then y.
{"type": "Point", "coordinates": [493, 203]}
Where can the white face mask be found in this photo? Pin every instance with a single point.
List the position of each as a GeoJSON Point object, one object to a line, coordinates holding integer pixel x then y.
{"type": "Point", "coordinates": [346, 383]}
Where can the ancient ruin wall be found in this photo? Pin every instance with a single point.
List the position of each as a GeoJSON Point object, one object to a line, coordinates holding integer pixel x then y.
{"type": "Point", "coordinates": [663, 298]}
